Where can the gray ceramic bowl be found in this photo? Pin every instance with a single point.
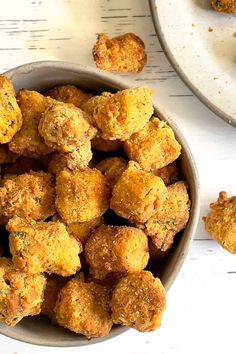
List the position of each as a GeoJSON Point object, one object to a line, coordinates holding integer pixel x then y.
{"type": "Point", "coordinates": [40, 76]}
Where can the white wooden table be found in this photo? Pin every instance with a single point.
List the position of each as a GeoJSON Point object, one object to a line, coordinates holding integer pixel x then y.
{"type": "Point", "coordinates": [201, 311]}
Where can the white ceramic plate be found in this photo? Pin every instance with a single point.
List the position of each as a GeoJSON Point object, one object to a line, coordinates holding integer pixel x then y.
{"type": "Point", "coordinates": [201, 45]}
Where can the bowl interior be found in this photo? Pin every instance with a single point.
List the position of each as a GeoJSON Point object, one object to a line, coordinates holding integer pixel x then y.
{"type": "Point", "coordinates": [43, 75]}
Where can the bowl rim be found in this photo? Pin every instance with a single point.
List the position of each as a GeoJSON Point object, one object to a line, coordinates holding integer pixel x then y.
{"type": "Point", "coordinates": [195, 210]}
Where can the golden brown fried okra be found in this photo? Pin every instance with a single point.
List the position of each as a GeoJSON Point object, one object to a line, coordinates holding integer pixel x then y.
{"type": "Point", "coordinates": [27, 141]}
{"type": "Point", "coordinates": [125, 53]}
{"type": "Point", "coordinates": [120, 249]}
{"type": "Point", "coordinates": [228, 6]}
{"type": "Point", "coordinates": [54, 283]}
{"type": "Point", "coordinates": [154, 146]}
{"type": "Point", "coordinates": [112, 168]}
{"type": "Point", "coordinates": [10, 114]}
{"type": "Point", "coordinates": [84, 308]}
{"type": "Point", "coordinates": [69, 94]}
{"type": "Point", "coordinates": [21, 294]}
{"type": "Point", "coordinates": [138, 194]}
{"type": "Point", "coordinates": [31, 195]}
{"type": "Point", "coordinates": [81, 195]}
{"type": "Point", "coordinates": [169, 174]}
{"type": "Point", "coordinates": [43, 247]}
{"type": "Point", "coordinates": [220, 223]}
{"type": "Point", "coordinates": [138, 301]}
{"type": "Point", "coordinates": [106, 145]}
{"type": "Point", "coordinates": [76, 160]}
{"type": "Point", "coordinates": [119, 115]}
{"type": "Point", "coordinates": [171, 218]}
{"type": "Point", "coordinates": [65, 127]}
{"type": "Point", "coordinates": [90, 105]}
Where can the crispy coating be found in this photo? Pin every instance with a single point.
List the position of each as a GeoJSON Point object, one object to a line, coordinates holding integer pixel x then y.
{"type": "Point", "coordinates": [43, 247]}
{"type": "Point", "coordinates": [154, 146]}
{"type": "Point", "coordinates": [10, 114]}
{"type": "Point", "coordinates": [138, 194]}
{"type": "Point", "coordinates": [138, 301]}
{"type": "Point", "coordinates": [90, 105]}
{"type": "Point", "coordinates": [169, 174]}
{"type": "Point", "coordinates": [21, 294]}
{"type": "Point", "coordinates": [106, 145]}
{"type": "Point", "coordinates": [65, 127]}
{"type": "Point", "coordinates": [119, 115]}
{"type": "Point", "coordinates": [54, 283]}
{"type": "Point", "coordinates": [125, 53]}
{"type": "Point", "coordinates": [171, 218]}
{"type": "Point", "coordinates": [120, 249]}
{"type": "Point", "coordinates": [81, 230]}
{"type": "Point", "coordinates": [76, 160]}
{"type": "Point", "coordinates": [220, 223]}
{"type": "Point", "coordinates": [31, 195]}
{"type": "Point", "coordinates": [84, 308]}
{"type": "Point", "coordinates": [27, 141]}
{"type": "Point", "coordinates": [69, 94]}
{"type": "Point", "coordinates": [6, 156]}
{"type": "Point", "coordinates": [112, 168]}
{"type": "Point", "coordinates": [228, 6]}
{"type": "Point", "coordinates": [81, 195]}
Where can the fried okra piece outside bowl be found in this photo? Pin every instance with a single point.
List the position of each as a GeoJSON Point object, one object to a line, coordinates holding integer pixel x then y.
{"type": "Point", "coordinates": [224, 6]}
{"type": "Point", "coordinates": [220, 222]}
{"type": "Point", "coordinates": [125, 53]}
{"type": "Point", "coordinates": [63, 100]}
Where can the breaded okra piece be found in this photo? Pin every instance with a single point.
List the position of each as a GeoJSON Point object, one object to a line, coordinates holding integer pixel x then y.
{"type": "Point", "coordinates": [138, 194]}
{"type": "Point", "coordinates": [21, 294]}
{"type": "Point", "coordinates": [228, 6]}
{"type": "Point", "coordinates": [10, 114]}
{"type": "Point", "coordinates": [154, 146]}
{"type": "Point", "coordinates": [84, 308]}
{"type": "Point", "coordinates": [220, 223]}
{"type": "Point", "coordinates": [65, 127]}
{"type": "Point", "coordinates": [31, 195]}
{"type": "Point", "coordinates": [69, 94]}
{"type": "Point", "coordinates": [171, 218]}
{"type": "Point", "coordinates": [119, 115]}
{"type": "Point", "coordinates": [38, 247]}
{"type": "Point", "coordinates": [27, 141]}
{"type": "Point", "coordinates": [138, 301]}
{"type": "Point", "coordinates": [81, 195]}
{"type": "Point", "coordinates": [121, 249]}
{"type": "Point", "coordinates": [76, 160]}
{"type": "Point", "coordinates": [125, 53]}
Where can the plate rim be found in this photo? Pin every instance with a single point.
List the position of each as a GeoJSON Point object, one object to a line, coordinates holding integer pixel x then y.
{"type": "Point", "coordinates": [170, 56]}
